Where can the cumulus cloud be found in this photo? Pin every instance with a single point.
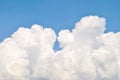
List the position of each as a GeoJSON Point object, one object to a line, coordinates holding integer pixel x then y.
{"type": "Point", "coordinates": [87, 53]}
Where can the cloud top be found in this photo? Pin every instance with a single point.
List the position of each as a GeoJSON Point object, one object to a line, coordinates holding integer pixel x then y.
{"type": "Point", "coordinates": [87, 53]}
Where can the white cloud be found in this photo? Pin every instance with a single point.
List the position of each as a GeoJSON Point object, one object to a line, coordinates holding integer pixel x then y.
{"type": "Point", "coordinates": [87, 53]}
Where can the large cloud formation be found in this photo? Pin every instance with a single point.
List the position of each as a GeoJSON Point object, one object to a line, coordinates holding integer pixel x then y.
{"type": "Point", "coordinates": [87, 53]}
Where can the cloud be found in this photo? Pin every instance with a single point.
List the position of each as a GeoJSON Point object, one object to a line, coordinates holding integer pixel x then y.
{"type": "Point", "coordinates": [87, 53]}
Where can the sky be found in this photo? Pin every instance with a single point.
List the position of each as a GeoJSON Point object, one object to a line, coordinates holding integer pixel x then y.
{"type": "Point", "coordinates": [65, 40]}
{"type": "Point", "coordinates": [57, 14]}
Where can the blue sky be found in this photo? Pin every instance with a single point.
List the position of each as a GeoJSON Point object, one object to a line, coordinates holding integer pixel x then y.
{"type": "Point", "coordinates": [58, 14]}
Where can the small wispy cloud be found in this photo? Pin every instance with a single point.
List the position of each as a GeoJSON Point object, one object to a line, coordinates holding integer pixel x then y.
{"type": "Point", "coordinates": [87, 53]}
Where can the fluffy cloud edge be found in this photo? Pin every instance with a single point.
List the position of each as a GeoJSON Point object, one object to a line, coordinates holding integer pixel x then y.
{"type": "Point", "coordinates": [87, 53]}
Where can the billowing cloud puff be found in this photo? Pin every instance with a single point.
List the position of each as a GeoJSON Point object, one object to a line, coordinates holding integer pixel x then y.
{"type": "Point", "coordinates": [87, 53]}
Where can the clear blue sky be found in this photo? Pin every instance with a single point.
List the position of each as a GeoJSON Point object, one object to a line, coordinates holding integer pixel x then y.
{"type": "Point", "coordinates": [58, 14]}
